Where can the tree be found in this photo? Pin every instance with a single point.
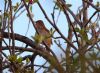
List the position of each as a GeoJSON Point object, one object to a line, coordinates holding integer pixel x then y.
{"type": "Point", "coordinates": [82, 52]}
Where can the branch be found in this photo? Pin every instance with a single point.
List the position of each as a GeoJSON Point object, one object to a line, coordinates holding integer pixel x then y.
{"type": "Point", "coordinates": [91, 18]}
{"type": "Point", "coordinates": [12, 31]}
{"type": "Point", "coordinates": [37, 49]}
{"type": "Point", "coordinates": [97, 8]}
{"type": "Point", "coordinates": [67, 40]}
{"type": "Point", "coordinates": [19, 48]}
{"type": "Point", "coordinates": [71, 12]}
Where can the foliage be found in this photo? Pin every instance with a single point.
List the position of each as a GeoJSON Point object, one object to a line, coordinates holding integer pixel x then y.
{"type": "Point", "coordinates": [80, 49]}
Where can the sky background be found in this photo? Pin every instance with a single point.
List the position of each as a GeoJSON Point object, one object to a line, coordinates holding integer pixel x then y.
{"type": "Point", "coordinates": [21, 23]}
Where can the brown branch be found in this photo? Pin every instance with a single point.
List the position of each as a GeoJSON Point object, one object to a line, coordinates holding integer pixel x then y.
{"type": "Point", "coordinates": [59, 45]}
{"type": "Point", "coordinates": [9, 48]}
{"type": "Point", "coordinates": [41, 66]}
{"type": "Point", "coordinates": [71, 12]}
{"type": "Point", "coordinates": [67, 40]}
{"type": "Point", "coordinates": [11, 23]}
{"type": "Point", "coordinates": [36, 29]}
{"type": "Point", "coordinates": [19, 48]}
{"type": "Point", "coordinates": [20, 38]}
{"type": "Point", "coordinates": [71, 26]}
{"type": "Point", "coordinates": [4, 18]}
{"type": "Point", "coordinates": [85, 16]}
{"type": "Point", "coordinates": [1, 38]}
{"type": "Point", "coordinates": [30, 17]}
{"type": "Point", "coordinates": [1, 58]}
{"type": "Point", "coordinates": [90, 18]}
{"type": "Point", "coordinates": [37, 49]}
{"type": "Point", "coordinates": [97, 8]}
{"type": "Point", "coordinates": [92, 46]}
{"type": "Point", "coordinates": [43, 11]}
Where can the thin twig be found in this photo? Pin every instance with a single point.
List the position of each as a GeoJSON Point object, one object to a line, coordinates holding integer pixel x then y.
{"type": "Point", "coordinates": [41, 66]}
{"type": "Point", "coordinates": [67, 40]}
{"type": "Point", "coordinates": [12, 31]}
{"type": "Point", "coordinates": [59, 45]}
{"type": "Point", "coordinates": [97, 8]}
{"type": "Point", "coordinates": [91, 18]}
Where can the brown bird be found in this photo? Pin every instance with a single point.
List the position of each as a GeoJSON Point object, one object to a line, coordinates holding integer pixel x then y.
{"type": "Point", "coordinates": [42, 30]}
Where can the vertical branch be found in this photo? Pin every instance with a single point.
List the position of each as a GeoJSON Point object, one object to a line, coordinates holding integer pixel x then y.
{"type": "Point", "coordinates": [1, 43]}
{"type": "Point", "coordinates": [27, 8]}
{"type": "Point", "coordinates": [0, 51]}
{"type": "Point", "coordinates": [11, 21]}
{"type": "Point", "coordinates": [67, 40]}
{"type": "Point", "coordinates": [68, 57]}
{"type": "Point", "coordinates": [30, 17]}
{"type": "Point", "coordinates": [85, 16]}
{"type": "Point", "coordinates": [34, 25]}
{"type": "Point", "coordinates": [65, 7]}
{"type": "Point", "coordinates": [33, 60]}
{"type": "Point", "coordinates": [4, 18]}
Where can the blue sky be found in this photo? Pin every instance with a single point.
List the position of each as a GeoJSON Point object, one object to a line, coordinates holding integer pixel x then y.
{"type": "Point", "coordinates": [21, 24]}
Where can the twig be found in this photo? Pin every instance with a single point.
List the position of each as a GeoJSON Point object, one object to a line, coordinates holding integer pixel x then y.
{"type": "Point", "coordinates": [41, 66]}
{"type": "Point", "coordinates": [85, 15]}
{"type": "Point", "coordinates": [67, 9]}
{"type": "Point", "coordinates": [59, 45]}
{"type": "Point", "coordinates": [70, 24]}
{"type": "Point", "coordinates": [12, 31]}
{"type": "Point", "coordinates": [97, 8]}
{"type": "Point", "coordinates": [7, 45]}
{"type": "Point", "coordinates": [90, 18]}
{"type": "Point", "coordinates": [67, 40]}
{"type": "Point", "coordinates": [35, 27]}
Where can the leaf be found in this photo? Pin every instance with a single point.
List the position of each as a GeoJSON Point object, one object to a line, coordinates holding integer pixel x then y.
{"type": "Point", "coordinates": [19, 60]}
{"type": "Point", "coordinates": [32, 15]}
{"type": "Point", "coordinates": [83, 34]}
{"type": "Point", "coordinates": [97, 4]}
{"type": "Point", "coordinates": [52, 31]}
{"type": "Point", "coordinates": [68, 5]}
{"type": "Point", "coordinates": [94, 56]}
{"type": "Point", "coordinates": [35, 1]}
{"type": "Point", "coordinates": [27, 0]}
{"type": "Point", "coordinates": [58, 5]}
{"type": "Point", "coordinates": [12, 58]}
{"type": "Point", "coordinates": [16, 6]}
{"type": "Point", "coordinates": [77, 29]}
{"type": "Point", "coordinates": [93, 25]}
{"type": "Point", "coordinates": [38, 38]}
{"type": "Point", "coordinates": [6, 14]}
{"type": "Point", "coordinates": [31, 8]}
{"type": "Point", "coordinates": [27, 60]}
{"type": "Point", "coordinates": [89, 42]}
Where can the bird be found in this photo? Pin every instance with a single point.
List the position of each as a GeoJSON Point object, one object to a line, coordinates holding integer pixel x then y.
{"type": "Point", "coordinates": [42, 30]}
